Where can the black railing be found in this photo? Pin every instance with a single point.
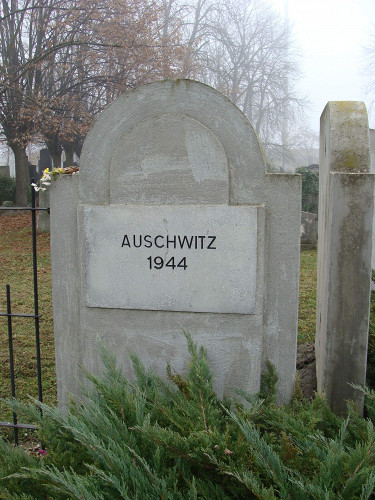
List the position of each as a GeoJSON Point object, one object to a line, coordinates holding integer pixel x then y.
{"type": "Point", "coordinates": [15, 425]}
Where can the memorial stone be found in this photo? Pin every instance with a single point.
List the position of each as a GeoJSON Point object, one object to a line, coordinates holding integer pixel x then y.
{"type": "Point", "coordinates": [309, 230]}
{"type": "Point", "coordinates": [4, 170]}
{"type": "Point", "coordinates": [346, 208]}
{"type": "Point", "coordinates": [174, 222]}
{"type": "Point", "coordinates": [33, 174]}
{"type": "Point", "coordinates": [45, 160]}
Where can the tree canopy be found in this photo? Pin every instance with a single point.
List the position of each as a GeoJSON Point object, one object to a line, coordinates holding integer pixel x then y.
{"type": "Point", "coordinates": [62, 61]}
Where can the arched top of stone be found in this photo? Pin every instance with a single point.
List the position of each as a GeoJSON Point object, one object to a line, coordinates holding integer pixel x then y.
{"type": "Point", "coordinates": [172, 142]}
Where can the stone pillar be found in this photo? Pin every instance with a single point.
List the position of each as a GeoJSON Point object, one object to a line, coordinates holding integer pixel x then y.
{"type": "Point", "coordinates": [344, 253]}
{"type": "Point", "coordinates": [65, 262]}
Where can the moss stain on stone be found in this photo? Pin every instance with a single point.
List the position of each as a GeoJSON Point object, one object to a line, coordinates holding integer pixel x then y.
{"type": "Point", "coordinates": [350, 161]}
{"type": "Point", "coordinates": [349, 142]}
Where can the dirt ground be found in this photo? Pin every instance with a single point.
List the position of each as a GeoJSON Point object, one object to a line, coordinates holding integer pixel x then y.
{"type": "Point", "coordinates": [10, 221]}
{"type": "Point", "coordinates": [306, 367]}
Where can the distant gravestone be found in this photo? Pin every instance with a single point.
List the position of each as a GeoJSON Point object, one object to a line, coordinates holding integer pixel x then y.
{"type": "Point", "coordinates": [33, 174]}
{"type": "Point", "coordinates": [174, 222]}
{"type": "Point", "coordinates": [45, 160]}
{"type": "Point", "coordinates": [4, 170]}
{"type": "Point", "coordinates": [309, 230]}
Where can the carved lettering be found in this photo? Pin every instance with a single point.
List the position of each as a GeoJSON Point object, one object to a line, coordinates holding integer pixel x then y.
{"type": "Point", "coordinates": [194, 242]}
{"type": "Point", "coordinates": [212, 238]}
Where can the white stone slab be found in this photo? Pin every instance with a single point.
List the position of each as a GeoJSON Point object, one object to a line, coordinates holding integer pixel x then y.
{"type": "Point", "coordinates": [171, 258]}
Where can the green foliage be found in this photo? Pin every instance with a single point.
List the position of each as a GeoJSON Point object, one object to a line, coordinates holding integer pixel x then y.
{"type": "Point", "coordinates": [156, 440]}
{"type": "Point", "coordinates": [7, 189]}
{"type": "Point", "coordinates": [268, 383]}
{"type": "Point", "coordinates": [310, 186]}
{"type": "Point", "coordinates": [12, 460]}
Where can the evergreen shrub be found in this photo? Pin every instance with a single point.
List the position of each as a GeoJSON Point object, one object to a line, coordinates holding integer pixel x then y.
{"type": "Point", "coordinates": [310, 186]}
{"type": "Point", "coordinates": [157, 440]}
{"type": "Point", "coordinates": [7, 189]}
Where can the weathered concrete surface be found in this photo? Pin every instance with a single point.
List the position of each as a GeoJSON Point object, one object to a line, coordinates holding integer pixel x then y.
{"type": "Point", "coordinates": [171, 258]}
{"type": "Point", "coordinates": [344, 253]}
{"type": "Point", "coordinates": [66, 289]}
{"type": "Point", "coordinates": [209, 110]}
{"type": "Point", "coordinates": [44, 216]}
{"type": "Point", "coordinates": [183, 144]}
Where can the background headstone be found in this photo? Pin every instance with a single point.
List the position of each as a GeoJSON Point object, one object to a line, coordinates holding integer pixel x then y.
{"type": "Point", "coordinates": [33, 174]}
{"type": "Point", "coordinates": [4, 170]}
{"type": "Point", "coordinates": [309, 230]}
{"type": "Point", "coordinates": [45, 160]}
{"type": "Point", "coordinates": [168, 161]}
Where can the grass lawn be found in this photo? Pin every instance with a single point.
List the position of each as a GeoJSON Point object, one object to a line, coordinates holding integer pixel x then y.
{"type": "Point", "coordinates": [16, 270]}
{"type": "Point", "coordinates": [307, 297]}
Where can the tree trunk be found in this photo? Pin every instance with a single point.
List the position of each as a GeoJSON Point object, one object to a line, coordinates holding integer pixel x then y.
{"type": "Point", "coordinates": [56, 159]}
{"type": "Point", "coordinates": [78, 146]}
{"type": "Point", "coordinates": [69, 152]}
{"type": "Point", "coordinates": [22, 174]}
{"type": "Point", "coordinates": [55, 150]}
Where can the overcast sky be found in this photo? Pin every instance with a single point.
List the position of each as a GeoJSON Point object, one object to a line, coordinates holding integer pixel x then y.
{"type": "Point", "coordinates": [330, 35]}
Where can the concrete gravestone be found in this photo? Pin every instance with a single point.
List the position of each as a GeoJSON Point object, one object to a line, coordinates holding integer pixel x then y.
{"type": "Point", "coordinates": [174, 221]}
{"type": "Point", "coordinates": [346, 207]}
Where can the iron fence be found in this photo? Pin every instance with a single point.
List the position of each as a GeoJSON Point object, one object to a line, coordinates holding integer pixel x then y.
{"type": "Point", "coordinates": [15, 425]}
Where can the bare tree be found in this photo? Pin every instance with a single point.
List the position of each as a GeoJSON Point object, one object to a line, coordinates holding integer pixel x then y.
{"type": "Point", "coordinates": [30, 30]}
{"type": "Point", "coordinates": [63, 60]}
{"type": "Point", "coordinates": [249, 59]}
{"type": "Point", "coordinates": [189, 24]}
{"type": "Point", "coordinates": [243, 49]}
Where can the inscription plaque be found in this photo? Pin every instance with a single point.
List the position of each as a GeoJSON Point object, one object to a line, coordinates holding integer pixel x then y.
{"type": "Point", "coordinates": [171, 258]}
